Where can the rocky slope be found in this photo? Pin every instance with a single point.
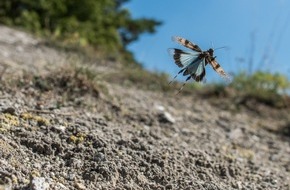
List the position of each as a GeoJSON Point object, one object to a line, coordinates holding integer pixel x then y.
{"type": "Point", "coordinates": [58, 133]}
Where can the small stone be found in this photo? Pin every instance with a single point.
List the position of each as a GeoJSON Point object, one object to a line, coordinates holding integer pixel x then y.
{"type": "Point", "coordinates": [159, 107]}
{"type": "Point", "coordinates": [60, 128]}
{"type": "Point", "coordinates": [166, 117]}
{"type": "Point", "coordinates": [237, 185]}
{"type": "Point", "coordinates": [80, 186]}
{"type": "Point", "coordinates": [38, 183]}
{"type": "Point", "coordinates": [236, 134]}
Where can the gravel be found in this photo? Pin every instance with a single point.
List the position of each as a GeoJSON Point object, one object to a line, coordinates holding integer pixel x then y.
{"type": "Point", "coordinates": [127, 138]}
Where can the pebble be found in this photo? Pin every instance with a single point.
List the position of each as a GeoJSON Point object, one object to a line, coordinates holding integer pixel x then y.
{"type": "Point", "coordinates": [80, 186]}
{"type": "Point", "coordinates": [166, 117]}
{"type": "Point", "coordinates": [38, 183]}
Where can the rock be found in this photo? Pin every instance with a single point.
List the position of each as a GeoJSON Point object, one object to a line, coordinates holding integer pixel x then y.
{"type": "Point", "coordinates": [60, 128]}
{"type": "Point", "coordinates": [80, 186]}
{"type": "Point", "coordinates": [166, 117]}
{"type": "Point", "coordinates": [236, 134]}
{"type": "Point", "coordinates": [38, 183]}
{"type": "Point", "coordinates": [160, 107]}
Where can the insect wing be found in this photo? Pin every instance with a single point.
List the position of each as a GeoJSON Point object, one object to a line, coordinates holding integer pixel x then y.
{"type": "Point", "coordinates": [186, 43]}
{"type": "Point", "coordinates": [182, 58]}
{"type": "Point", "coordinates": [196, 70]}
{"type": "Point", "coordinates": [220, 70]}
{"type": "Point", "coordinates": [199, 73]}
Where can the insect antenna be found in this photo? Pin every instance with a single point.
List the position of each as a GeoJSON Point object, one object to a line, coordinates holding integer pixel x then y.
{"type": "Point", "coordinates": [176, 76]}
{"type": "Point", "coordinates": [212, 46]}
{"type": "Point", "coordinates": [223, 47]}
{"type": "Point", "coordinates": [183, 85]}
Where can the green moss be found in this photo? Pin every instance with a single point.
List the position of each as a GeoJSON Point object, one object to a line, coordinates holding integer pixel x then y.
{"type": "Point", "coordinates": [40, 120]}
{"type": "Point", "coordinates": [78, 138]}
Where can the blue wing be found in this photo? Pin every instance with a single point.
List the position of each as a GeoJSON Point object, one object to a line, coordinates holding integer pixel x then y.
{"type": "Point", "coordinates": [196, 69]}
{"type": "Point", "coordinates": [183, 58]}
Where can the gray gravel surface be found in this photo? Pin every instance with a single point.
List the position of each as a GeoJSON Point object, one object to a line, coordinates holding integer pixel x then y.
{"type": "Point", "coordinates": [127, 138]}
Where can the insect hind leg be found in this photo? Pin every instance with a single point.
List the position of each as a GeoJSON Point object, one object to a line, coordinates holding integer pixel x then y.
{"type": "Point", "coordinates": [183, 85]}
{"type": "Point", "coordinates": [176, 76]}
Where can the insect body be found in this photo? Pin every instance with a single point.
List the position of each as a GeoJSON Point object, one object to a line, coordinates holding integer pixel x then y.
{"type": "Point", "coordinates": [193, 63]}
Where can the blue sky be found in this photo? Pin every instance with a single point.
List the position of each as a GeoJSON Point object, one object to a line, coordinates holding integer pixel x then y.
{"type": "Point", "coordinates": [249, 28]}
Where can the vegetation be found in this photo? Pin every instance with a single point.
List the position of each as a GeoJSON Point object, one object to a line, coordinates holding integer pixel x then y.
{"type": "Point", "coordinates": [261, 82]}
{"type": "Point", "coordinates": [263, 87]}
{"type": "Point", "coordinates": [103, 24]}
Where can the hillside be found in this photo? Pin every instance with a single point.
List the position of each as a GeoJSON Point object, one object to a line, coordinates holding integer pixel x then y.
{"type": "Point", "coordinates": [61, 127]}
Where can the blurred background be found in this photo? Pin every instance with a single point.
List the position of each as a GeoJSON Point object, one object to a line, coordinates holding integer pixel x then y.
{"type": "Point", "coordinates": [255, 32]}
{"type": "Point", "coordinates": [137, 34]}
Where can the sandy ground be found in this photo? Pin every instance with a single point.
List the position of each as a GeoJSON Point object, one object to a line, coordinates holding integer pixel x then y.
{"type": "Point", "coordinates": [126, 138]}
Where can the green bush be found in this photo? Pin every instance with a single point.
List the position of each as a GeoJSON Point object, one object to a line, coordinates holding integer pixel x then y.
{"type": "Point", "coordinates": [263, 87]}
{"type": "Point", "coordinates": [261, 81]}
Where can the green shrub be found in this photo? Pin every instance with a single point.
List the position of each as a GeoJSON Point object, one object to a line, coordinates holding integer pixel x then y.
{"type": "Point", "coordinates": [261, 81]}
{"type": "Point", "coordinates": [263, 87]}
